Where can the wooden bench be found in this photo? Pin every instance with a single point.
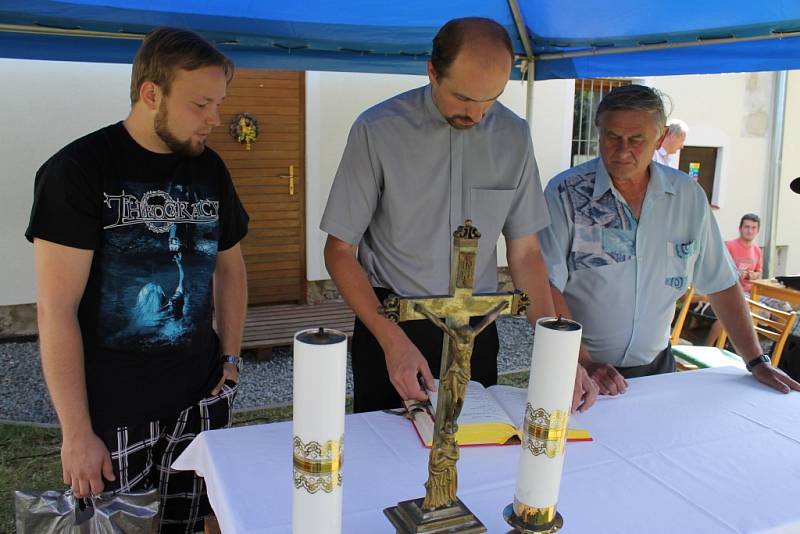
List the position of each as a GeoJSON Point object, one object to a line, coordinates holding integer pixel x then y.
{"type": "Point", "coordinates": [267, 327]}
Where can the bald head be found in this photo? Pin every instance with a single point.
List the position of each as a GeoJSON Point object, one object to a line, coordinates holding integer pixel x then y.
{"type": "Point", "coordinates": [483, 39]}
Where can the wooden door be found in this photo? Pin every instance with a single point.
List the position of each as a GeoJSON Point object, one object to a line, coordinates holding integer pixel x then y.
{"type": "Point", "coordinates": [700, 162]}
{"type": "Point", "coordinates": [274, 249]}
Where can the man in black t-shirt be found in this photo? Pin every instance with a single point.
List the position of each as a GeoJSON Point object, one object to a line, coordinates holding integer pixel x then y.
{"type": "Point", "coordinates": [136, 230]}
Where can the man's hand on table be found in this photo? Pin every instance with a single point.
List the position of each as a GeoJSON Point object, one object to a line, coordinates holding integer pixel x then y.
{"type": "Point", "coordinates": [607, 377]}
{"type": "Point", "coordinates": [585, 392]}
{"type": "Point", "coordinates": [775, 378]}
{"type": "Point", "coordinates": [404, 363]}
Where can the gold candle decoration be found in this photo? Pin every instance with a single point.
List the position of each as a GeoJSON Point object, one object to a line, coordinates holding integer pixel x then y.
{"type": "Point", "coordinates": [552, 379]}
{"type": "Point", "coordinates": [320, 358]}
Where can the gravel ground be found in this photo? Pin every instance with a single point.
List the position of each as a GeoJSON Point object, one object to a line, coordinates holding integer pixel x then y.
{"type": "Point", "coordinates": [263, 384]}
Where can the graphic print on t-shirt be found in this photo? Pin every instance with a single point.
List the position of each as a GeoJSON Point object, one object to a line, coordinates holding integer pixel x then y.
{"type": "Point", "coordinates": [159, 249]}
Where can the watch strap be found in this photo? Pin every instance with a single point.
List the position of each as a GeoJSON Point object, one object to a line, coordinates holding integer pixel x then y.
{"type": "Point", "coordinates": [758, 360]}
{"type": "Point", "coordinates": [234, 359]}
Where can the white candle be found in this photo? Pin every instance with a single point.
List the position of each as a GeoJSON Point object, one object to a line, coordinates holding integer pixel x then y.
{"type": "Point", "coordinates": [320, 359]}
{"type": "Point", "coordinates": [552, 379]}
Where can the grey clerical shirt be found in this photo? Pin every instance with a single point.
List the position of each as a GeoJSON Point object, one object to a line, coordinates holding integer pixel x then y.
{"type": "Point", "coordinates": [407, 180]}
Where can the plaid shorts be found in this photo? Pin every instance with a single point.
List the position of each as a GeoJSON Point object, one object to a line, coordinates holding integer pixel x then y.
{"type": "Point", "coordinates": [142, 455]}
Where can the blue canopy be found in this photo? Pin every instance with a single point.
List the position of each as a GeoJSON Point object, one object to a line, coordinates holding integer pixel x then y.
{"type": "Point", "coordinates": [569, 38]}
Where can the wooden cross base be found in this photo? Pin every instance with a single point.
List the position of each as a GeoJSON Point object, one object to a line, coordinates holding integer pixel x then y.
{"type": "Point", "coordinates": [408, 517]}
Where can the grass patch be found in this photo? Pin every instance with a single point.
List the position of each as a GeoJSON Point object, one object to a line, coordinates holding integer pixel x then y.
{"type": "Point", "coordinates": [29, 459]}
{"type": "Point", "coordinates": [517, 379]}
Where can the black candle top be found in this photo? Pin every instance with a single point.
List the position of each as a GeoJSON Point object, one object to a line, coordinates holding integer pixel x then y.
{"type": "Point", "coordinates": [321, 336]}
{"type": "Point", "coordinates": [559, 323]}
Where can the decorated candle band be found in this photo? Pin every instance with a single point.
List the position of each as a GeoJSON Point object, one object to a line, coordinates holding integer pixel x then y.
{"type": "Point", "coordinates": [545, 433]}
{"type": "Point", "coordinates": [318, 466]}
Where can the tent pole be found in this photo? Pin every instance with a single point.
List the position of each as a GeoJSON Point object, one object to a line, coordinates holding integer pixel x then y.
{"type": "Point", "coordinates": [529, 66]}
{"type": "Point", "coordinates": [513, 5]}
{"type": "Point", "coordinates": [531, 71]}
{"type": "Point", "coordinates": [663, 46]}
{"type": "Point", "coordinates": [47, 30]}
{"type": "Point", "coordinates": [774, 177]}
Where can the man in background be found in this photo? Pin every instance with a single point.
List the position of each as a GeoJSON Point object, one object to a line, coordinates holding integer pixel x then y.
{"type": "Point", "coordinates": [667, 153]}
{"type": "Point", "coordinates": [746, 256]}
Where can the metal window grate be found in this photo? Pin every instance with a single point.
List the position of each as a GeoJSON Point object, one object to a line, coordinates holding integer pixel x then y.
{"type": "Point", "coordinates": [588, 94]}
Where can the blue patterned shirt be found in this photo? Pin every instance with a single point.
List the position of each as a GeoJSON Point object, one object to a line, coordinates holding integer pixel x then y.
{"type": "Point", "coordinates": [621, 276]}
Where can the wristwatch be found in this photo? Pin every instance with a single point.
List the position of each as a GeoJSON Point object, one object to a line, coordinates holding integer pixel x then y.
{"type": "Point", "coordinates": [758, 360]}
{"type": "Point", "coordinates": [234, 359]}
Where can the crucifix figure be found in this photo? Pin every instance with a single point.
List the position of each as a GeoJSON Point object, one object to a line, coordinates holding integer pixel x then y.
{"type": "Point", "coordinates": [451, 314]}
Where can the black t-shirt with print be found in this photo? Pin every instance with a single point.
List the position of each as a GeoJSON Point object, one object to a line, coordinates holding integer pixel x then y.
{"type": "Point", "coordinates": [155, 223]}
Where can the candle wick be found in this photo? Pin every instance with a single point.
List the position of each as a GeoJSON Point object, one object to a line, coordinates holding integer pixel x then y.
{"type": "Point", "coordinates": [321, 331]}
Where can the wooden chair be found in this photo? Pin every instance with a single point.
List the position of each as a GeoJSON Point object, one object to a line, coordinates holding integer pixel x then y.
{"type": "Point", "coordinates": [682, 305]}
{"type": "Point", "coordinates": [773, 324]}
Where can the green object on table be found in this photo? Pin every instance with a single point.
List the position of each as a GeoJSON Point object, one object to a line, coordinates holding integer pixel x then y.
{"type": "Point", "coordinates": [706, 356]}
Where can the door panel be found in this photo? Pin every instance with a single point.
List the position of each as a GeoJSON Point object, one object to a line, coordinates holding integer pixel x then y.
{"type": "Point", "coordinates": [274, 249]}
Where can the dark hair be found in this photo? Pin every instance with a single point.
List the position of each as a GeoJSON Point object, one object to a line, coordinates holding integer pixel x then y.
{"type": "Point", "coordinates": [750, 217]}
{"type": "Point", "coordinates": [165, 50]}
{"type": "Point", "coordinates": [634, 97]}
{"type": "Point", "coordinates": [450, 39]}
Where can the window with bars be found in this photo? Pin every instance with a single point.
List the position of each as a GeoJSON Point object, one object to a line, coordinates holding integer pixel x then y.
{"type": "Point", "coordinates": [588, 94]}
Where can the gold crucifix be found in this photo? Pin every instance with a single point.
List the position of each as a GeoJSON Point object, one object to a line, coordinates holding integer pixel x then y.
{"type": "Point", "coordinates": [456, 308]}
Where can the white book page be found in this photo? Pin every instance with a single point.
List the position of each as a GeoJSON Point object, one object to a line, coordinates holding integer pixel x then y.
{"type": "Point", "coordinates": [512, 400]}
{"type": "Point", "coordinates": [479, 406]}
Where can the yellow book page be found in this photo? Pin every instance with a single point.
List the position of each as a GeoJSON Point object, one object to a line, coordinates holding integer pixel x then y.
{"type": "Point", "coordinates": [482, 419]}
{"type": "Point", "coordinates": [490, 416]}
{"type": "Point", "coordinates": [513, 401]}
{"type": "Point", "coordinates": [486, 433]}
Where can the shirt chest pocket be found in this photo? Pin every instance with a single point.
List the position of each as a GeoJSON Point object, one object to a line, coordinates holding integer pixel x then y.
{"type": "Point", "coordinates": [679, 264]}
{"type": "Point", "coordinates": [488, 210]}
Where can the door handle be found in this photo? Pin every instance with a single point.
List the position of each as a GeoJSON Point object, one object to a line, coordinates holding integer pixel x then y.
{"type": "Point", "coordinates": [290, 176]}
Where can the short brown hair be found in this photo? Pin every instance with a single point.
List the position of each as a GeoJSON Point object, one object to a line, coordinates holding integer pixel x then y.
{"type": "Point", "coordinates": [752, 217]}
{"type": "Point", "coordinates": [450, 39]}
{"type": "Point", "coordinates": [165, 50]}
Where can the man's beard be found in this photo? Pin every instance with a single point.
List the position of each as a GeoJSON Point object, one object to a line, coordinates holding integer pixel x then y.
{"type": "Point", "coordinates": [184, 148]}
{"type": "Point", "coordinates": [451, 120]}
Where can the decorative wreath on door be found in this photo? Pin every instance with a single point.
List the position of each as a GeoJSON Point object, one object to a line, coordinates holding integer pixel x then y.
{"type": "Point", "coordinates": [244, 128]}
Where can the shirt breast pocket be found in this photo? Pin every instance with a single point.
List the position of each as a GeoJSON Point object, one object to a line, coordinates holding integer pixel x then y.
{"type": "Point", "coordinates": [680, 258]}
{"type": "Point", "coordinates": [489, 209]}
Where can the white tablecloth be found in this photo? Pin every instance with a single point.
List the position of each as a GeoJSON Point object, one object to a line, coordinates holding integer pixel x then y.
{"type": "Point", "coordinates": [701, 451]}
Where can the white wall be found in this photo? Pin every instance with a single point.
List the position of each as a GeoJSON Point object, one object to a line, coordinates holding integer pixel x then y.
{"type": "Point", "coordinates": [730, 111]}
{"type": "Point", "coordinates": [45, 105]}
{"type": "Point", "coordinates": [335, 99]}
{"type": "Point", "coordinates": [789, 202]}
{"type": "Point", "coordinates": [734, 112]}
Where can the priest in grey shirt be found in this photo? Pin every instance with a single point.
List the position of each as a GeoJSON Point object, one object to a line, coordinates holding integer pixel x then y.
{"type": "Point", "coordinates": [414, 168]}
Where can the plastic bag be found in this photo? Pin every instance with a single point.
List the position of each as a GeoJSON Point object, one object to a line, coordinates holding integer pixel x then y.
{"type": "Point", "coordinates": [51, 512]}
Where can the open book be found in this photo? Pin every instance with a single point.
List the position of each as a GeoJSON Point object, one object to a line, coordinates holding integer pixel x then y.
{"type": "Point", "coordinates": [490, 416]}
